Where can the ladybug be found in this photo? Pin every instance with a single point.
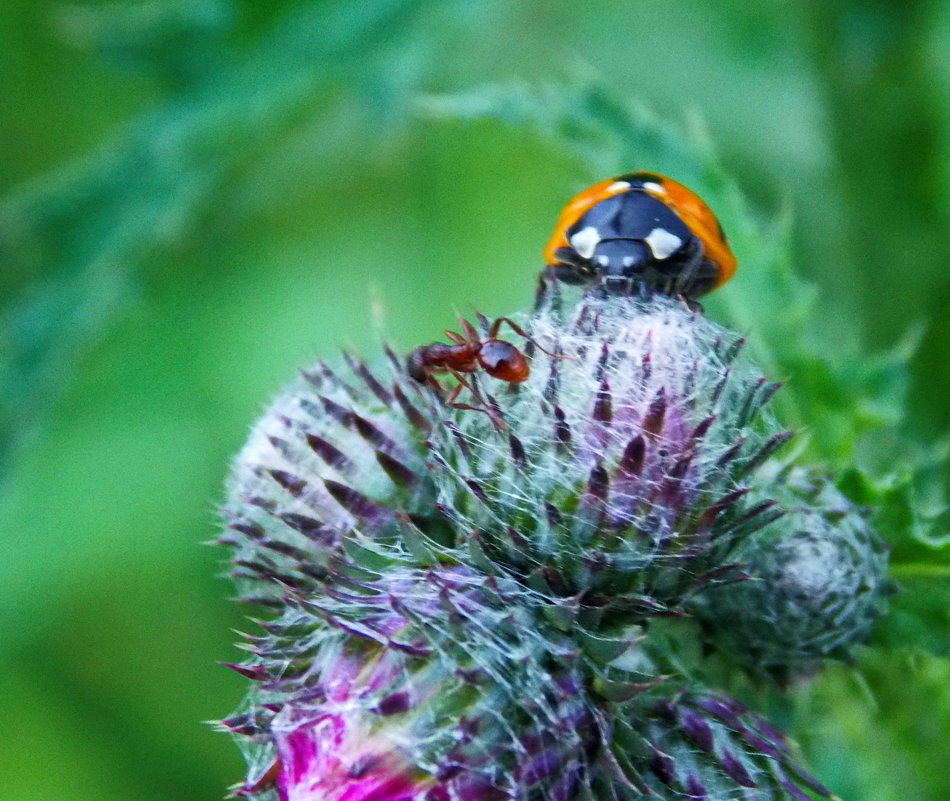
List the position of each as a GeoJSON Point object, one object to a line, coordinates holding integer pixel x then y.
{"type": "Point", "coordinates": [639, 229]}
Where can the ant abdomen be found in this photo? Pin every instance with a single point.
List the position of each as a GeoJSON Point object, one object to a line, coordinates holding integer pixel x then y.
{"type": "Point", "coordinates": [425, 358]}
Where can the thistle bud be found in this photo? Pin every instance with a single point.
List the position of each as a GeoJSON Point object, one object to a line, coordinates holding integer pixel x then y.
{"type": "Point", "coordinates": [616, 473]}
{"type": "Point", "coordinates": [817, 582]}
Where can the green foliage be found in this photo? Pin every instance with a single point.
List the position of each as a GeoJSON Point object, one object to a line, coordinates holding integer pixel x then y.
{"type": "Point", "coordinates": [920, 559]}
{"type": "Point", "coordinates": [94, 227]}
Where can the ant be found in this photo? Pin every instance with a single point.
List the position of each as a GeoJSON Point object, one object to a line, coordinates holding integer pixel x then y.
{"type": "Point", "coordinates": [469, 352]}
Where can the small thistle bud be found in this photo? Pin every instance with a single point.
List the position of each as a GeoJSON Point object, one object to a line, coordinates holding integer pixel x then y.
{"type": "Point", "coordinates": [817, 583]}
{"type": "Point", "coordinates": [339, 456]}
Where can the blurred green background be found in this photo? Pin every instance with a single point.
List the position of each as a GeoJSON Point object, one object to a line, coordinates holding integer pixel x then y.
{"type": "Point", "coordinates": [199, 196]}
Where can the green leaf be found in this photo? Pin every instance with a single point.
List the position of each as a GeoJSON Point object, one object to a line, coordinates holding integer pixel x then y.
{"type": "Point", "coordinates": [91, 228]}
{"type": "Point", "coordinates": [874, 734]}
{"type": "Point", "coordinates": [920, 559]}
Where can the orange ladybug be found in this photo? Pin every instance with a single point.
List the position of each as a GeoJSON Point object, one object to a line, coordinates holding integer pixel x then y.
{"type": "Point", "coordinates": [640, 229]}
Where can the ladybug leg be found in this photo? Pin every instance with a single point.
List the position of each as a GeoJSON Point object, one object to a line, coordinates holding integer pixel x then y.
{"type": "Point", "coordinates": [683, 283]}
{"type": "Point", "coordinates": [547, 285]}
{"type": "Point", "coordinates": [544, 286]}
{"type": "Point", "coordinates": [693, 305]}
{"type": "Point", "coordinates": [689, 280]}
{"type": "Point", "coordinates": [548, 290]}
{"type": "Point", "coordinates": [581, 273]}
{"type": "Point", "coordinates": [628, 287]}
{"type": "Point", "coordinates": [696, 276]}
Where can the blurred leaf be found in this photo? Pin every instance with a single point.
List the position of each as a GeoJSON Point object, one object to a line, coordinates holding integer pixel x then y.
{"type": "Point", "coordinates": [920, 562]}
{"type": "Point", "coordinates": [174, 38]}
{"type": "Point", "coordinates": [878, 734]}
{"type": "Point", "coordinates": [89, 227]}
{"type": "Point", "coordinates": [607, 134]}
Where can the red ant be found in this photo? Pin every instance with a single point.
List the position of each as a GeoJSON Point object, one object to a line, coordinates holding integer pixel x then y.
{"type": "Point", "coordinates": [469, 352]}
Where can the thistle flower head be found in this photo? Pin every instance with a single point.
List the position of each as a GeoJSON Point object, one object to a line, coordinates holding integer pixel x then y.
{"type": "Point", "coordinates": [418, 684]}
{"type": "Point", "coordinates": [615, 473]}
{"type": "Point", "coordinates": [462, 594]}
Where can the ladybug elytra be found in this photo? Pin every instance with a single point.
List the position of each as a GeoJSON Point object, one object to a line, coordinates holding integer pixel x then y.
{"type": "Point", "coordinates": [640, 229]}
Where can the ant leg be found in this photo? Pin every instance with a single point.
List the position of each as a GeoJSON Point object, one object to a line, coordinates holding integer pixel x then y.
{"type": "Point", "coordinates": [468, 331]}
{"type": "Point", "coordinates": [456, 390]}
{"type": "Point", "coordinates": [463, 383]}
{"type": "Point", "coordinates": [483, 406]}
{"type": "Point", "coordinates": [484, 324]}
{"type": "Point", "coordinates": [496, 327]}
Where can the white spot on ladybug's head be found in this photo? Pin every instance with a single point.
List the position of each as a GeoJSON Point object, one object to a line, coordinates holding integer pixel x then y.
{"type": "Point", "coordinates": [585, 241]}
{"type": "Point", "coordinates": [662, 243]}
{"type": "Point", "coordinates": [652, 187]}
{"type": "Point", "coordinates": [618, 186]}
{"type": "Point", "coordinates": [603, 261]}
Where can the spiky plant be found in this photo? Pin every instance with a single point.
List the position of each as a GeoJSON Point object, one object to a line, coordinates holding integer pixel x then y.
{"type": "Point", "coordinates": [817, 582]}
{"type": "Point", "coordinates": [614, 475]}
{"type": "Point", "coordinates": [702, 745]}
{"type": "Point", "coordinates": [464, 599]}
